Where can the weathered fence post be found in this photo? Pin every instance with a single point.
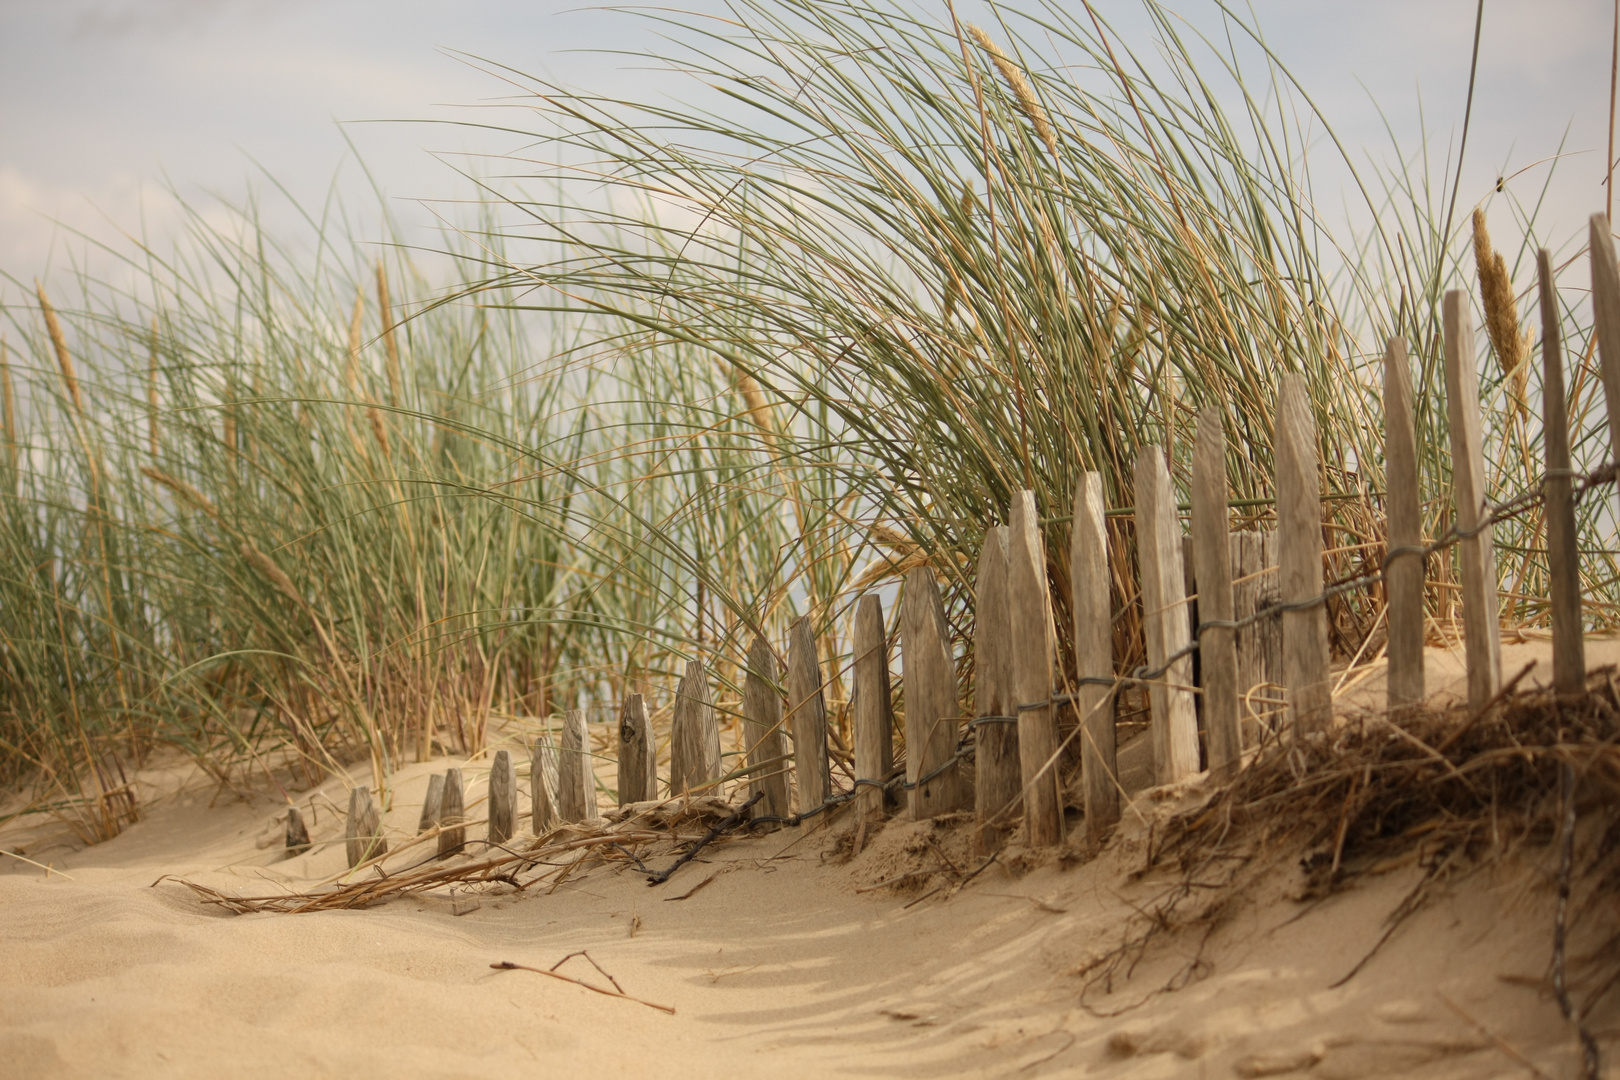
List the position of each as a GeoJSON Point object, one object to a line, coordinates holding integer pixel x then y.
{"type": "Point", "coordinates": [694, 741]}
{"type": "Point", "coordinates": [542, 786]}
{"type": "Point", "coordinates": [1606, 315]}
{"type": "Point", "coordinates": [1029, 606]}
{"type": "Point", "coordinates": [297, 834]}
{"type": "Point", "coordinates": [873, 711]}
{"type": "Point", "coordinates": [1164, 618]}
{"type": "Point", "coordinates": [1403, 511]}
{"type": "Point", "coordinates": [1094, 653]}
{"type": "Point", "coordinates": [502, 798]}
{"type": "Point", "coordinates": [807, 712]}
{"type": "Point", "coordinates": [1212, 559]}
{"type": "Point", "coordinates": [1563, 554]}
{"type": "Point", "coordinates": [1253, 589]}
{"type": "Point", "coordinates": [363, 831]}
{"type": "Point", "coordinates": [576, 787]}
{"type": "Point", "coordinates": [430, 804]}
{"type": "Point", "coordinates": [452, 814]}
{"type": "Point", "coordinates": [638, 765]}
{"type": "Point", "coordinates": [929, 679]}
{"type": "Point", "coordinates": [1299, 559]}
{"type": "Point", "coordinates": [1482, 639]}
{"type": "Point", "coordinates": [762, 732]}
{"type": "Point", "coordinates": [995, 739]}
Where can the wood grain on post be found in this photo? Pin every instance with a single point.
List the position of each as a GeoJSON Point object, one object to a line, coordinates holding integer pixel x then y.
{"type": "Point", "coordinates": [1563, 554]}
{"type": "Point", "coordinates": [638, 765]}
{"type": "Point", "coordinates": [1212, 561]}
{"type": "Point", "coordinates": [1094, 653]}
{"type": "Point", "coordinates": [1270, 593]}
{"type": "Point", "coordinates": [1164, 619]}
{"type": "Point", "coordinates": [762, 732]}
{"type": "Point", "coordinates": [297, 833]}
{"type": "Point", "coordinates": [1403, 509]}
{"type": "Point", "coordinates": [1029, 605]}
{"type": "Point", "coordinates": [1245, 552]}
{"type": "Point", "coordinates": [576, 788]}
{"type": "Point", "coordinates": [998, 770]}
{"type": "Point", "coordinates": [1299, 560]}
{"type": "Point", "coordinates": [1606, 316]}
{"type": "Point", "coordinates": [872, 708]}
{"type": "Point", "coordinates": [1482, 639]}
{"type": "Point", "coordinates": [430, 804]}
{"type": "Point", "coordinates": [502, 798]}
{"type": "Point", "coordinates": [452, 814]}
{"type": "Point", "coordinates": [362, 833]}
{"type": "Point", "coordinates": [694, 741]}
{"type": "Point", "coordinates": [932, 707]}
{"type": "Point", "coordinates": [543, 786]}
{"type": "Point", "coordinates": [807, 716]}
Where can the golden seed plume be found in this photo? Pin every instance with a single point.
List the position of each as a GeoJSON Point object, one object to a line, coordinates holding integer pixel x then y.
{"type": "Point", "coordinates": [394, 378]}
{"type": "Point", "coordinates": [379, 429]}
{"type": "Point", "coordinates": [9, 402]}
{"type": "Point", "coordinates": [182, 489]}
{"type": "Point", "coordinates": [351, 370]}
{"type": "Point", "coordinates": [1014, 77]}
{"type": "Point", "coordinates": [266, 566]}
{"type": "Point", "coordinates": [63, 357]}
{"type": "Point", "coordinates": [1501, 313]}
{"type": "Point", "coordinates": [152, 391]}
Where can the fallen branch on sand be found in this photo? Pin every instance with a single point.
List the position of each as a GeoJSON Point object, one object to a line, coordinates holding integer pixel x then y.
{"type": "Point", "coordinates": [552, 972]}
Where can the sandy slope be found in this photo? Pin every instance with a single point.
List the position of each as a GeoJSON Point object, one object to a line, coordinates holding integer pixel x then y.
{"type": "Point", "coordinates": [777, 966]}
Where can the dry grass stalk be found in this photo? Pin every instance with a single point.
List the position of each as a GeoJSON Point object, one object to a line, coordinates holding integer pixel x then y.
{"type": "Point", "coordinates": [152, 392]}
{"type": "Point", "coordinates": [266, 566]}
{"type": "Point", "coordinates": [1018, 83]}
{"type": "Point", "coordinates": [1501, 313]}
{"type": "Point", "coordinates": [351, 370]}
{"type": "Point", "coordinates": [389, 342]}
{"type": "Point", "coordinates": [182, 489]}
{"type": "Point", "coordinates": [8, 403]}
{"type": "Point", "coordinates": [53, 326]}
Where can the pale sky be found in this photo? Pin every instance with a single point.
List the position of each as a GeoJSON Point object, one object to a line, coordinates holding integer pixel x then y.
{"type": "Point", "coordinates": [100, 99]}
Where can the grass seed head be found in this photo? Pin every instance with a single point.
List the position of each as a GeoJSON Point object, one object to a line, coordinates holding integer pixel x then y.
{"type": "Point", "coordinates": [1501, 311]}
{"type": "Point", "coordinates": [1018, 83]}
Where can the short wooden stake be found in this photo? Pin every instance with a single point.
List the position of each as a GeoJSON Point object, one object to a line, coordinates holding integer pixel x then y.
{"type": "Point", "coordinates": [762, 731]}
{"type": "Point", "coordinates": [1164, 619]}
{"type": "Point", "coordinates": [576, 780]}
{"type": "Point", "coordinates": [452, 815]}
{"type": "Point", "coordinates": [1248, 587]}
{"type": "Point", "coordinates": [430, 804]}
{"type": "Point", "coordinates": [1403, 510]}
{"type": "Point", "coordinates": [872, 708]}
{"type": "Point", "coordinates": [1094, 653]}
{"type": "Point", "coordinates": [638, 767]}
{"type": "Point", "coordinates": [1606, 316]}
{"type": "Point", "coordinates": [929, 678]}
{"type": "Point", "coordinates": [694, 741]}
{"type": "Point", "coordinates": [1563, 553]}
{"type": "Point", "coordinates": [297, 834]}
{"type": "Point", "coordinates": [1212, 559]}
{"type": "Point", "coordinates": [1305, 662]}
{"type": "Point", "coordinates": [1482, 639]}
{"type": "Point", "coordinates": [995, 739]}
{"type": "Point", "coordinates": [807, 716]}
{"type": "Point", "coordinates": [363, 831]}
{"type": "Point", "coordinates": [1033, 637]}
{"type": "Point", "coordinates": [543, 786]}
{"type": "Point", "coordinates": [502, 798]}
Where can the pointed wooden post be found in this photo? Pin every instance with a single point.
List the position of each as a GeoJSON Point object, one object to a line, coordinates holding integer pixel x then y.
{"type": "Point", "coordinates": [807, 715]}
{"type": "Point", "coordinates": [932, 706]}
{"type": "Point", "coordinates": [1249, 585]}
{"type": "Point", "coordinates": [543, 786]}
{"type": "Point", "coordinates": [452, 814]}
{"type": "Point", "coordinates": [1212, 559]}
{"type": "Point", "coordinates": [762, 732]}
{"type": "Point", "coordinates": [1606, 316]}
{"type": "Point", "coordinates": [1094, 653]}
{"type": "Point", "coordinates": [638, 765]}
{"type": "Point", "coordinates": [502, 798]}
{"type": "Point", "coordinates": [694, 741]}
{"type": "Point", "coordinates": [297, 834]}
{"type": "Point", "coordinates": [576, 780]}
{"type": "Point", "coordinates": [1403, 509]}
{"type": "Point", "coordinates": [1029, 605]}
{"type": "Point", "coordinates": [1482, 639]}
{"type": "Point", "coordinates": [430, 804]}
{"type": "Point", "coordinates": [1563, 554]}
{"type": "Point", "coordinates": [1299, 558]}
{"type": "Point", "coordinates": [363, 831]}
{"type": "Point", "coordinates": [997, 767]}
{"type": "Point", "coordinates": [1164, 619]}
{"type": "Point", "coordinates": [872, 708]}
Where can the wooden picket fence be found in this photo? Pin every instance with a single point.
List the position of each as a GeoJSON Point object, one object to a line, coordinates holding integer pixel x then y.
{"type": "Point", "coordinates": [1246, 634]}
